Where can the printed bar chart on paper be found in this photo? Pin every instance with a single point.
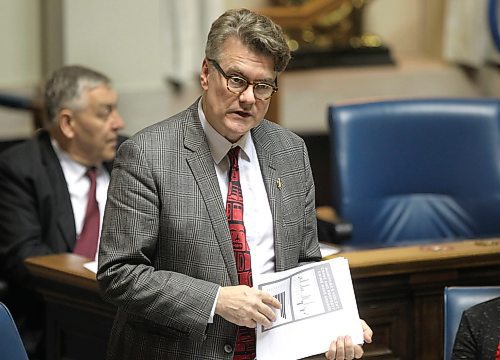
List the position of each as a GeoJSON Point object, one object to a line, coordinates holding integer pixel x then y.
{"type": "Point", "coordinates": [317, 305]}
{"type": "Point", "coordinates": [310, 292]}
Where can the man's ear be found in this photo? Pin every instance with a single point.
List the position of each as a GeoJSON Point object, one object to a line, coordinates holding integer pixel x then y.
{"type": "Point", "coordinates": [65, 120]}
{"type": "Point", "coordinates": [204, 75]}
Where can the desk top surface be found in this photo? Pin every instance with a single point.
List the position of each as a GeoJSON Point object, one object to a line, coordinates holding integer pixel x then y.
{"type": "Point", "coordinates": [65, 268]}
{"type": "Point", "coordinates": [424, 257]}
{"type": "Point", "coordinates": [363, 263]}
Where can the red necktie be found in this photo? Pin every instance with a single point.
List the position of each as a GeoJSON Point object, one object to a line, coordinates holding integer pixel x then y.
{"type": "Point", "coordinates": [86, 244]}
{"type": "Point", "coordinates": [245, 340]}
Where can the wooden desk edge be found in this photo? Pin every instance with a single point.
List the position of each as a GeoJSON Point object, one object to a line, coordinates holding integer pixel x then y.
{"type": "Point", "coordinates": [68, 268]}
{"type": "Point", "coordinates": [65, 268]}
{"type": "Point", "coordinates": [419, 258]}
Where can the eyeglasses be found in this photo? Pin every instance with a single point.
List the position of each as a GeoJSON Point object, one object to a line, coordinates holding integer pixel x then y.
{"type": "Point", "coordinates": [237, 84]}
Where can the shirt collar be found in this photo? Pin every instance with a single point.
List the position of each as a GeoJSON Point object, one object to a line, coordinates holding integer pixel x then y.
{"type": "Point", "coordinates": [219, 145]}
{"type": "Point", "coordinates": [70, 167]}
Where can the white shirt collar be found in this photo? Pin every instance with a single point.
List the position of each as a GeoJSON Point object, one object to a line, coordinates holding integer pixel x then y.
{"type": "Point", "coordinates": [73, 170]}
{"type": "Point", "coordinates": [219, 145]}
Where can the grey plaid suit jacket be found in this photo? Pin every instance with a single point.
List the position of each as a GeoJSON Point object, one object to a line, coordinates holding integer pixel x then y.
{"type": "Point", "coordinates": [166, 247]}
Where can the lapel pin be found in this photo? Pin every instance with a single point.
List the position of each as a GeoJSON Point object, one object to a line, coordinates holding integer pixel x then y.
{"type": "Point", "coordinates": [278, 183]}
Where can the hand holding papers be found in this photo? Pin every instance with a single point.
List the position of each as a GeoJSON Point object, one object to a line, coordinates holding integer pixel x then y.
{"type": "Point", "coordinates": [318, 305]}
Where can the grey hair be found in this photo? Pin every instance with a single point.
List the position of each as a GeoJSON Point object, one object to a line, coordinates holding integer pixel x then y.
{"type": "Point", "coordinates": [259, 33]}
{"type": "Point", "coordinates": [66, 87]}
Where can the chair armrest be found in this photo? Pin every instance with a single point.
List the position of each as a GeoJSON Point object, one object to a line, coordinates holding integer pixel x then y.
{"type": "Point", "coordinates": [331, 228]}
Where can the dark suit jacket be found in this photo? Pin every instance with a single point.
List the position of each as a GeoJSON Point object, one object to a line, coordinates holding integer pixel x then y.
{"type": "Point", "coordinates": [478, 336]}
{"type": "Point", "coordinates": [36, 218]}
{"type": "Point", "coordinates": [166, 246]}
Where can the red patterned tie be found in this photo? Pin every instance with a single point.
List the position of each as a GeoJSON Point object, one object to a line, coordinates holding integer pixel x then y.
{"type": "Point", "coordinates": [245, 340]}
{"type": "Point", "coordinates": [86, 244]}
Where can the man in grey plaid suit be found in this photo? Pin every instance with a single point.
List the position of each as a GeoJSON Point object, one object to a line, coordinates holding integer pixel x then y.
{"type": "Point", "coordinates": [166, 257]}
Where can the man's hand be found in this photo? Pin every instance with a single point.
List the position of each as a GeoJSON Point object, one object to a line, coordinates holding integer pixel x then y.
{"type": "Point", "coordinates": [246, 306]}
{"type": "Point", "coordinates": [344, 349]}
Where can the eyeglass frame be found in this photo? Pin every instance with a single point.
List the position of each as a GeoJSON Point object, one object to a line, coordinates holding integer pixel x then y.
{"type": "Point", "coordinates": [227, 77]}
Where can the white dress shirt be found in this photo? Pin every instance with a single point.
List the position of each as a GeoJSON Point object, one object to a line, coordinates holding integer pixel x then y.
{"type": "Point", "coordinates": [78, 186]}
{"type": "Point", "coordinates": [256, 210]}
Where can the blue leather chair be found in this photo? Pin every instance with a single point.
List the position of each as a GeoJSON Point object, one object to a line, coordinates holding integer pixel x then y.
{"type": "Point", "coordinates": [456, 300]}
{"type": "Point", "coordinates": [11, 346]}
{"type": "Point", "coordinates": [417, 170]}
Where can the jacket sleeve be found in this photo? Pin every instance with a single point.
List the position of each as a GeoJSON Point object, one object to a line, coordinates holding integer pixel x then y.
{"type": "Point", "coordinates": [310, 247]}
{"type": "Point", "coordinates": [20, 227]}
{"type": "Point", "coordinates": [130, 274]}
{"type": "Point", "coordinates": [465, 345]}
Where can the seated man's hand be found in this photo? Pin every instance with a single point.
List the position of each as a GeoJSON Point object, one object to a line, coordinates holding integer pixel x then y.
{"type": "Point", "coordinates": [246, 306]}
{"type": "Point", "coordinates": [344, 349]}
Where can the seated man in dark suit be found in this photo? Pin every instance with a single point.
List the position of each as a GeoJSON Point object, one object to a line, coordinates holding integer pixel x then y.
{"type": "Point", "coordinates": [478, 336]}
{"type": "Point", "coordinates": [50, 202]}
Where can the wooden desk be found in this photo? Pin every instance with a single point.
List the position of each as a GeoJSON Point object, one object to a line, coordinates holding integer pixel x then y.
{"type": "Point", "coordinates": [78, 320]}
{"type": "Point", "coordinates": [399, 293]}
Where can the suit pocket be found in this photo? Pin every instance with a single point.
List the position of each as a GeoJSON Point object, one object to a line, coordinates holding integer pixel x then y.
{"type": "Point", "coordinates": [149, 327]}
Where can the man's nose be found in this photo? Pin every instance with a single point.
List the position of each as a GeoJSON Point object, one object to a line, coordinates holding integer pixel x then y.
{"type": "Point", "coordinates": [118, 122]}
{"type": "Point", "coordinates": [248, 95]}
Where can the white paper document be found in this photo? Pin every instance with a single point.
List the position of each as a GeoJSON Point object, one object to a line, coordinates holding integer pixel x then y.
{"type": "Point", "coordinates": [92, 266]}
{"type": "Point", "coordinates": [328, 249]}
{"type": "Point", "coordinates": [318, 305]}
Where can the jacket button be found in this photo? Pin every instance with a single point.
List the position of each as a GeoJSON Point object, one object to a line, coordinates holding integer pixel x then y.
{"type": "Point", "coordinates": [228, 348]}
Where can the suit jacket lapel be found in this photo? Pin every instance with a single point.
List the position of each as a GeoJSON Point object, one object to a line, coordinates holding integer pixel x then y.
{"type": "Point", "coordinates": [62, 204]}
{"type": "Point", "coordinates": [271, 173]}
{"type": "Point", "coordinates": [201, 164]}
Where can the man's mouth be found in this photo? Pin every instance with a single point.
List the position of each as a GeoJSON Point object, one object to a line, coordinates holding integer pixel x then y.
{"type": "Point", "coordinates": [243, 114]}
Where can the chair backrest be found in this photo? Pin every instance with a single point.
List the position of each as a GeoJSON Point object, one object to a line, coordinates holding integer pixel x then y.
{"type": "Point", "coordinates": [11, 345]}
{"type": "Point", "coordinates": [456, 300]}
{"type": "Point", "coordinates": [416, 170]}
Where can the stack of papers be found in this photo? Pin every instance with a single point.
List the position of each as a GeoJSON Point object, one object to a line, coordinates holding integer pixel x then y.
{"type": "Point", "coordinates": [318, 305]}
